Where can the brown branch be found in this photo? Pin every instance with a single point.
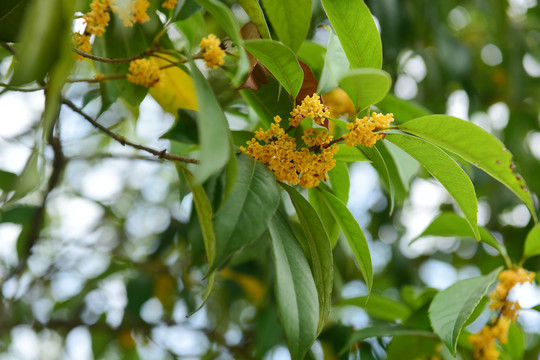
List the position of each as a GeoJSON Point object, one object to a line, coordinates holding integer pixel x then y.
{"type": "Point", "coordinates": [113, 60]}
{"type": "Point", "coordinates": [160, 154]}
{"type": "Point", "coordinates": [94, 80]}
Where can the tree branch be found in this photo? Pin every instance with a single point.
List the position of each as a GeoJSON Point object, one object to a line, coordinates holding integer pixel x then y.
{"type": "Point", "coordinates": [113, 60]}
{"type": "Point", "coordinates": [160, 154]}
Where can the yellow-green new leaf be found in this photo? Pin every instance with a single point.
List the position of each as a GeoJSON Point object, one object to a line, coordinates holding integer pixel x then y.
{"type": "Point", "coordinates": [357, 32]}
{"type": "Point", "coordinates": [444, 169]}
{"type": "Point", "coordinates": [474, 145]}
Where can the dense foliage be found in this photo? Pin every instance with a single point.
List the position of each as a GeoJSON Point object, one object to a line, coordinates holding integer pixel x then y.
{"type": "Point", "coordinates": [253, 179]}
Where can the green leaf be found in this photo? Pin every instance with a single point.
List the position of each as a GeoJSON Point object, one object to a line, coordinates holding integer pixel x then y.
{"type": "Point", "coordinates": [378, 162]}
{"type": "Point", "coordinates": [296, 293]}
{"type": "Point", "coordinates": [365, 87]}
{"type": "Point", "coordinates": [474, 145]}
{"type": "Point", "coordinates": [332, 227]}
{"type": "Point", "coordinates": [354, 235]}
{"type": "Point", "coordinates": [444, 169]}
{"type": "Point", "coordinates": [207, 292]}
{"type": "Point", "coordinates": [254, 11]}
{"type": "Point", "coordinates": [403, 110]}
{"type": "Point", "coordinates": [245, 214]}
{"type": "Point", "coordinates": [213, 129]}
{"type": "Point", "coordinates": [290, 20]}
{"type": "Point", "coordinates": [204, 214]}
{"type": "Point", "coordinates": [357, 32]}
{"type": "Point", "coordinates": [313, 55]}
{"type": "Point", "coordinates": [350, 154]}
{"type": "Point", "coordinates": [185, 128]}
{"type": "Point", "coordinates": [402, 168]}
{"type": "Point", "coordinates": [280, 61]}
{"type": "Point", "coordinates": [380, 307]}
{"type": "Point", "coordinates": [138, 291]}
{"type": "Point", "coordinates": [29, 179]}
{"type": "Point", "coordinates": [318, 249]}
{"type": "Point", "coordinates": [224, 17]}
{"type": "Point", "coordinates": [451, 224]}
{"type": "Point", "coordinates": [185, 9]}
{"type": "Point", "coordinates": [383, 330]}
{"type": "Point", "coordinates": [452, 307]}
{"type": "Point", "coordinates": [11, 17]}
{"type": "Point", "coordinates": [532, 242]}
{"type": "Point", "coordinates": [340, 181]}
{"type": "Point", "coordinates": [335, 64]}
{"type": "Point", "coordinates": [515, 345]}
{"type": "Point", "coordinates": [7, 180]}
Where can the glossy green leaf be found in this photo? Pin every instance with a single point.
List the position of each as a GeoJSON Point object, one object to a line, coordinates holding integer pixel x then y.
{"type": "Point", "coordinates": [402, 168]}
{"type": "Point", "coordinates": [42, 26]}
{"type": "Point", "coordinates": [444, 169]}
{"type": "Point", "coordinates": [318, 250]}
{"type": "Point", "coordinates": [204, 214]}
{"type": "Point", "coordinates": [357, 32]}
{"type": "Point", "coordinates": [474, 145]}
{"type": "Point", "coordinates": [379, 164]}
{"type": "Point", "coordinates": [245, 214]}
{"type": "Point", "coordinates": [365, 86]}
{"type": "Point", "coordinates": [213, 129]}
{"type": "Point", "coordinates": [185, 9]}
{"type": "Point", "coordinates": [185, 128]}
{"type": "Point", "coordinates": [7, 180]}
{"type": "Point", "coordinates": [332, 227]}
{"type": "Point", "coordinates": [296, 293]}
{"type": "Point", "coordinates": [313, 55]}
{"type": "Point", "coordinates": [354, 235]}
{"type": "Point", "coordinates": [335, 64]}
{"type": "Point", "coordinates": [532, 242]}
{"type": "Point", "coordinates": [290, 20]}
{"type": "Point", "coordinates": [452, 307]}
{"type": "Point", "coordinates": [384, 330]}
{"type": "Point", "coordinates": [340, 181]}
{"type": "Point", "coordinates": [224, 16]}
{"type": "Point", "coordinates": [280, 61]}
{"type": "Point", "coordinates": [380, 307]}
{"type": "Point", "coordinates": [350, 154]}
{"type": "Point", "coordinates": [403, 110]}
{"type": "Point", "coordinates": [451, 224]}
{"type": "Point", "coordinates": [255, 13]}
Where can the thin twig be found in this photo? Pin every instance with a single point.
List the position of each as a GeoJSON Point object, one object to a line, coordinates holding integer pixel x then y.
{"type": "Point", "coordinates": [15, 88]}
{"type": "Point", "coordinates": [113, 60]}
{"type": "Point", "coordinates": [160, 154]}
{"type": "Point", "coordinates": [94, 80]}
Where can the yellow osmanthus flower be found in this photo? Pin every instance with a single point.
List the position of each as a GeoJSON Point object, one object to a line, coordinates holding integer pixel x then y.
{"type": "Point", "coordinates": [169, 4]}
{"type": "Point", "coordinates": [131, 11]}
{"type": "Point", "coordinates": [81, 42]}
{"type": "Point", "coordinates": [144, 72]}
{"type": "Point", "coordinates": [213, 54]}
{"type": "Point", "coordinates": [99, 77]}
{"type": "Point", "coordinates": [98, 18]}
{"type": "Point", "coordinates": [311, 107]}
{"type": "Point", "coordinates": [485, 347]}
{"type": "Point", "coordinates": [365, 131]}
{"type": "Point", "coordinates": [280, 153]}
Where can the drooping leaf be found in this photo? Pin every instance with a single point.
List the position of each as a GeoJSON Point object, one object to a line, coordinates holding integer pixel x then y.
{"type": "Point", "coordinates": [532, 242]}
{"type": "Point", "coordinates": [185, 128]}
{"type": "Point", "coordinates": [379, 164]}
{"type": "Point", "coordinates": [204, 213]}
{"type": "Point", "coordinates": [280, 61]}
{"type": "Point", "coordinates": [332, 227]}
{"type": "Point", "coordinates": [214, 135]}
{"type": "Point", "coordinates": [357, 32]}
{"type": "Point", "coordinates": [207, 292]}
{"type": "Point", "coordinates": [290, 20]}
{"type": "Point", "coordinates": [11, 18]}
{"type": "Point", "coordinates": [340, 181]}
{"type": "Point", "coordinates": [380, 307]}
{"type": "Point", "coordinates": [175, 90]}
{"type": "Point", "coordinates": [224, 16]}
{"type": "Point", "coordinates": [296, 293]}
{"type": "Point", "coordinates": [354, 235]}
{"type": "Point", "coordinates": [335, 64]}
{"type": "Point", "coordinates": [452, 307]}
{"type": "Point", "coordinates": [444, 169]}
{"type": "Point", "coordinates": [245, 214]}
{"type": "Point", "coordinates": [474, 145]}
{"type": "Point", "coordinates": [365, 87]}
{"type": "Point", "coordinates": [254, 11]}
{"type": "Point", "coordinates": [318, 250]}
{"type": "Point", "coordinates": [451, 224]}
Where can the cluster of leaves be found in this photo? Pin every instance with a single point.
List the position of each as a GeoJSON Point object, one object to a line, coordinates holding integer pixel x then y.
{"type": "Point", "coordinates": [239, 210]}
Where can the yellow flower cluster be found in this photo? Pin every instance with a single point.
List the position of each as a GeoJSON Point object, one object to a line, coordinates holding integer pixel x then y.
{"type": "Point", "coordinates": [144, 72]}
{"type": "Point", "coordinates": [304, 166]}
{"type": "Point", "coordinates": [213, 54]}
{"type": "Point", "coordinates": [131, 11]}
{"type": "Point", "coordinates": [98, 18]}
{"type": "Point", "coordinates": [81, 42]}
{"type": "Point", "coordinates": [365, 131]}
{"type": "Point", "coordinates": [484, 344]}
{"type": "Point", "coordinates": [169, 4]}
{"type": "Point", "coordinates": [311, 107]}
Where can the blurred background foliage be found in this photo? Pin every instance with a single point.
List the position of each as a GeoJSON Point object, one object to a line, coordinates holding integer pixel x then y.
{"type": "Point", "coordinates": [120, 260]}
